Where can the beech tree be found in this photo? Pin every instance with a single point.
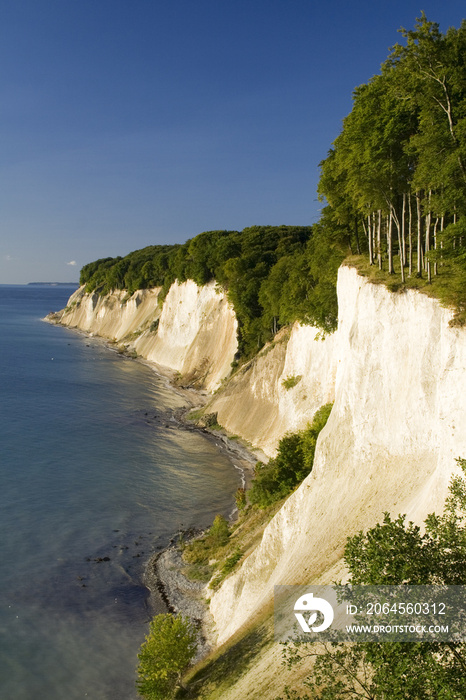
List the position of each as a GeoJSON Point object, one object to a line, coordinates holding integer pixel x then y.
{"type": "Point", "coordinates": [399, 165]}
{"type": "Point", "coordinates": [167, 651]}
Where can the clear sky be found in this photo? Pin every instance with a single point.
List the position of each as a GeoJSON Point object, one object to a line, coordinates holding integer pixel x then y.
{"type": "Point", "coordinates": [125, 123]}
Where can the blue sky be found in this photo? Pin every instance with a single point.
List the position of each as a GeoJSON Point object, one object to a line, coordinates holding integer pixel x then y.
{"type": "Point", "coordinates": [125, 123]}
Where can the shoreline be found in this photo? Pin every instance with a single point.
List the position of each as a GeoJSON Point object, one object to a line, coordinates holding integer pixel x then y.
{"type": "Point", "coordinates": [162, 573]}
{"type": "Point", "coordinates": [163, 577]}
{"type": "Point", "coordinates": [194, 399]}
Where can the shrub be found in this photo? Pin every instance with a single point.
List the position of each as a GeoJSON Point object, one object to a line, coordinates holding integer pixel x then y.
{"type": "Point", "coordinates": [219, 531]}
{"type": "Point", "coordinates": [291, 382]}
{"type": "Point", "coordinates": [294, 461]}
{"type": "Point", "coordinates": [240, 498]}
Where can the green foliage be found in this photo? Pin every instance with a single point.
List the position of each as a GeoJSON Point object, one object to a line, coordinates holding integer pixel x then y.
{"type": "Point", "coordinates": [154, 326]}
{"type": "Point", "coordinates": [240, 498]}
{"type": "Point", "coordinates": [231, 562]}
{"type": "Point", "coordinates": [226, 568]}
{"type": "Point", "coordinates": [167, 651]}
{"type": "Point", "coordinates": [273, 275]}
{"type": "Point", "coordinates": [392, 553]}
{"type": "Point", "coordinates": [219, 531]}
{"type": "Point", "coordinates": [205, 560]}
{"type": "Point", "coordinates": [200, 551]}
{"type": "Point", "coordinates": [395, 552]}
{"type": "Point", "coordinates": [389, 671]}
{"type": "Point", "coordinates": [395, 178]}
{"type": "Point", "coordinates": [294, 461]}
{"type": "Point", "coordinates": [292, 381]}
{"type": "Point", "coordinates": [211, 552]}
{"type": "Point", "coordinates": [385, 554]}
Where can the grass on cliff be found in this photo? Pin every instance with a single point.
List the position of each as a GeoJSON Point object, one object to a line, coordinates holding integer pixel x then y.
{"type": "Point", "coordinates": [221, 670]}
{"type": "Point", "coordinates": [440, 287]}
{"type": "Point", "coordinates": [227, 665]}
{"type": "Point", "coordinates": [224, 547]}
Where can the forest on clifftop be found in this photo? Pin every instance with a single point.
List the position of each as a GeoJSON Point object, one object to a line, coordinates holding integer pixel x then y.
{"type": "Point", "coordinates": [393, 188]}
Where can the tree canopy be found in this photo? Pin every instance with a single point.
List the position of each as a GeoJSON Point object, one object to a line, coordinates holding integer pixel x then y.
{"type": "Point", "coordinates": [271, 275]}
{"type": "Point", "coordinates": [397, 171]}
{"type": "Point", "coordinates": [168, 649]}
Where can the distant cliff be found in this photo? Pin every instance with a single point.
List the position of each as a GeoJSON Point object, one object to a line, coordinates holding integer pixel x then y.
{"type": "Point", "coordinates": [193, 332]}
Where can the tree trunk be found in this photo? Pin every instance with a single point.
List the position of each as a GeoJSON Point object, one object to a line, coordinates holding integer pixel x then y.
{"type": "Point", "coordinates": [419, 235]}
{"type": "Point", "coordinates": [379, 239]}
{"type": "Point", "coordinates": [368, 233]}
{"type": "Point", "coordinates": [403, 232]}
{"type": "Point", "coordinates": [356, 234]}
{"type": "Point", "coordinates": [410, 235]}
{"type": "Point", "coordinates": [400, 247]}
{"type": "Point", "coordinates": [427, 248]}
{"type": "Point", "coordinates": [389, 243]}
{"type": "Point", "coordinates": [442, 220]}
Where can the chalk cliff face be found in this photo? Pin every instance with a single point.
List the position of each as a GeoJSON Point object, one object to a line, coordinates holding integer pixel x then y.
{"type": "Point", "coordinates": [256, 402]}
{"type": "Point", "coordinates": [396, 372]}
{"type": "Point", "coordinates": [115, 316]}
{"type": "Point", "coordinates": [396, 427]}
{"type": "Point", "coordinates": [195, 336]}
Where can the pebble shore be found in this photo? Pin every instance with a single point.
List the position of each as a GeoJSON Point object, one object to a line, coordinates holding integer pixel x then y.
{"type": "Point", "coordinates": [164, 578]}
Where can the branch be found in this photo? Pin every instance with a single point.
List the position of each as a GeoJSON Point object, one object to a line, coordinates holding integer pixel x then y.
{"type": "Point", "coordinates": [457, 655]}
{"type": "Point", "coordinates": [368, 694]}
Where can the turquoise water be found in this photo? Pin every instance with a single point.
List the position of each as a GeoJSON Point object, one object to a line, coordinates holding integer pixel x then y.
{"type": "Point", "coordinates": [94, 477]}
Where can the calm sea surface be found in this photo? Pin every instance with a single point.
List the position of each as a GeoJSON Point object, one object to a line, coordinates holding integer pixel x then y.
{"type": "Point", "coordinates": [91, 467]}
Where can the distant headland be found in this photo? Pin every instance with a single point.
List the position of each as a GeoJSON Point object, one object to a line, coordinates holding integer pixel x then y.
{"type": "Point", "coordinates": [54, 284]}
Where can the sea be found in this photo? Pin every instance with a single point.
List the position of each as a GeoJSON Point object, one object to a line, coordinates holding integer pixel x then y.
{"type": "Point", "coordinates": [95, 477]}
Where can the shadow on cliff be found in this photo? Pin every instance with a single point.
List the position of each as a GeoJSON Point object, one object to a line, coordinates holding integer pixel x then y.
{"type": "Point", "coordinates": [226, 665]}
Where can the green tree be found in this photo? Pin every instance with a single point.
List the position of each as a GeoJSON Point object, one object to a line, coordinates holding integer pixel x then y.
{"type": "Point", "coordinates": [399, 164]}
{"type": "Point", "coordinates": [293, 462]}
{"type": "Point", "coordinates": [167, 651]}
{"type": "Point", "coordinates": [392, 553]}
{"type": "Point", "coordinates": [240, 498]}
{"type": "Point", "coordinates": [432, 68]}
{"type": "Point", "coordinates": [219, 531]}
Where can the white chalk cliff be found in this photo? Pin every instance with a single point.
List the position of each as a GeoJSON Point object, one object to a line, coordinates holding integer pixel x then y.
{"type": "Point", "coordinates": [256, 403]}
{"type": "Point", "coordinates": [396, 372]}
{"type": "Point", "coordinates": [195, 336]}
{"type": "Point", "coordinates": [115, 316]}
{"type": "Point", "coordinates": [396, 427]}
